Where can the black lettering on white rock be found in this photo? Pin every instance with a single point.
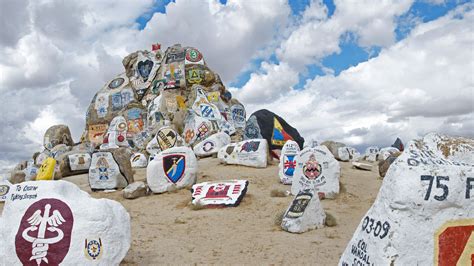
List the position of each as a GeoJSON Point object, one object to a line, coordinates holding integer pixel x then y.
{"type": "Point", "coordinates": [424, 212]}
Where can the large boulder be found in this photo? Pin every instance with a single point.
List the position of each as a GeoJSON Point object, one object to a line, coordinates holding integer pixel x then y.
{"type": "Point", "coordinates": [172, 169]}
{"type": "Point", "coordinates": [424, 212]}
{"type": "Point", "coordinates": [55, 135]}
{"type": "Point", "coordinates": [318, 170]}
{"type": "Point", "coordinates": [287, 165]}
{"type": "Point", "coordinates": [266, 124]}
{"type": "Point", "coordinates": [252, 152]}
{"type": "Point", "coordinates": [110, 169]}
{"type": "Point", "coordinates": [56, 223]}
{"type": "Point", "coordinates": [334, 146]}
{"type": "Point", "coordinates": [304, 213]}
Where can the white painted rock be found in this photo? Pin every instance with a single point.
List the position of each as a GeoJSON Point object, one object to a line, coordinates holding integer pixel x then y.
{"type": "Point", "coordinates": [54, 222]}
{"type": "Point", "coordinates": [287, 165]}
{"type": "Point", "coordinates": [371, 153]}
{"type": "Point", "coordinates": [304, 213]}
{"type": "Point", "coordinates": [138, 160]}
{"type": "Point", "coordinates": [135, 190]}
{"type": "Point", "coordinates": [317, 169]}
{"type": "Point", "coordinates": [116, 135]}
{"type": "Point", "coordinates": [4, 189]}
{"type": "Point", "coordinates": [354, 155]}
{"type": "Point", "coordinates": [312, 143]}
{"type": "Point", "coordinates": [212, 144]}
{"type": "Point", "coordinates": [219, 194]}
{"type": "Point", "coordinates": [79, 161]}
{"type": "Point", "coordinates": [105, 173]}
{"type": "Point", "coordinates": [386, 152]}
{"type": "Point", "coordinates": [362, 166]}
{"type": "Point", "coordinates": [252, 152]}
{"type": "Point", "coordinates": [424, 212]}
{"type": "Point", "coordinates": [172, 169]}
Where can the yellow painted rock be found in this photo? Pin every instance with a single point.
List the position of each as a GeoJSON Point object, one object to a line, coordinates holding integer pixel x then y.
{"type": "Point", "coordinates": [46, 171]}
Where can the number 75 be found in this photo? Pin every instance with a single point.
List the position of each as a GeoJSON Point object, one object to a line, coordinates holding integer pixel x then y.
{"type": "Point", "coordinates": [444, 187]}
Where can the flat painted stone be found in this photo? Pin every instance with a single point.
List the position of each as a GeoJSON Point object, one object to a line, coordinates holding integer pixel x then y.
{"type": "Point", "coordinates": [220, 193]}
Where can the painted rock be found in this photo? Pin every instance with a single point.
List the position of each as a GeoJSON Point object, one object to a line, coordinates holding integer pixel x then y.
{"type": "Point", "coordinates": [287, 165]}
{"type": "Point", "coordinates": [219, 194]}
{"type": "Point", "coordinates": [55, 135]}
{"type": "Point", "coordinates": [172, 169]}
{"type": "Point", "coordinates": [212, 144]}
{"type": "Point", "coordinates": [312, 143]}
{"type": "Point", "coordinates": [73, 163]}
{"type": "Point", "coordinates": [46, 171]}
{"type": "Point", "coordinates": [116, 135]}
{"type": "Point", "coordinates": [197, 128]}
{"type": "Point", "coordinates": [362, 166]}
{"type": "Point", "coordinates": [424, 212]}
{"type": "Point", "coordinates": [59, 150]}
{"type": "Point", "coordinates": [317, 169]}
{"type": "Point", "coordinates": [42, 157]}
{"type": "Point", "coordinates": [5, 189]}
{"type": "Point", "coordinates": [138, 160]}
{"type": "Point", "coordinates": [371, 153]}
{"type": "Point", "coordinates": [31, 171]}
{"type": "Point", "coordinates": [334, 146]}
{"type": "Point", "coordinates": [165, 138]}
{"type": "Point", "coordinates": [385, 164]}
{"type": "Point", "coordinates": [110, 169]}
{"type": "Point", "coordinates": [342, 154]}
{"type": "Point", "coordinates": [56, 223]}
{"type": "Point", "coordinates": [135, 190]}
{"type": "Point", "coordinates": [252, 152]}
{"type": "Point", "coordinates": [304, 213]}
{"type": "Point", "coordinates": [273, 128]}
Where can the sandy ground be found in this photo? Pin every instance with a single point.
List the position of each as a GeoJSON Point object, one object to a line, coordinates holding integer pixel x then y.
{"type": "Point", "coordinates": [166, 230]}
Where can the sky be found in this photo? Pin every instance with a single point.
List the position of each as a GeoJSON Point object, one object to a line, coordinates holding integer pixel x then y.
{"type": "Point", "coordinates": [358, 71]}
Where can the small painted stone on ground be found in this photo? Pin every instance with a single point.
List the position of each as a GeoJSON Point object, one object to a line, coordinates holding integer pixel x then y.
{"type": "Point", "coordinates": [138, 160]}
{"type": "Point", "coordinates": [317, 169]}
{"type": "Point", "coordinates": [252, 152]}
{"type": "Point", "coordinates": [362, 166]}
{"type": "Point", "coordinates": [304, 213]}
{"type": "Point", "coordinates": [135, 190]}
{"type": "Point", "coordinates": [220, 193]}
{"type": "Point", "coordinates": [56, 223]}
{"type": "Point", "coordinates": [172, 169]}
{"type": "Point", "coordinates": [287, 165]}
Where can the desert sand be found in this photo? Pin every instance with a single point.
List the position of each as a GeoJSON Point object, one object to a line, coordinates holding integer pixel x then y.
{"type": "Point", "coordinates": [167, 230]}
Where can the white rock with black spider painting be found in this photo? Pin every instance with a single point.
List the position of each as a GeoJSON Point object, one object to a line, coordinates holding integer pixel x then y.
{"type": "Point", "coordinates": [304, 213]}
{"type": "Point", "coordinates": [212, 144]}
{"type": "Point", "coordinates": [251, 152]}
{"type": "Point", "coordinates": [317, 169]}
{"type": "Point", "coordinates": [424, 211]}
{"type": "Point", "coordinates": [56, 223]}
{"type": "Point", "coordinates": [172, 169]}
{"type": "Point", "coordinates": [287, 165]}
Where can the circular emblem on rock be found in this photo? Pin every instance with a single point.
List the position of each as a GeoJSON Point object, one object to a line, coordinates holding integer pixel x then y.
{"type": "Point", "coordinates": [312, 169]}
{"type": "Point", "coordinates": [116, 83]}
{"type": "Point", "coordinates": [93, 248]}
{"type": "Point", "coordinates": [4, 190]}
{"type": "Point", "coordinates": [193, 55]}
{"type": "Point", "coordinates": [122, 126]}
{"type": "Point", "coordinates": [44, 234]}
{"type": "Point", "coordinates": [208, 146]}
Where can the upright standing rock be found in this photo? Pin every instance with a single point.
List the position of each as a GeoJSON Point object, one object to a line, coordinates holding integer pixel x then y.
{"type": "Point", "coordinates": [318, 170]}
{"type": "Point", "coordinates": [304, 213]}
{"type": "Point", "coordinates": [172, 169]}
{"type": "Point", "coordinates": [424, 212]}
{"type": "Point", "coordinates": [110, 169]}
{"type": "Point", "coordinates": [56, 223]}
{"type": "Point", "coordinates": [287, 165]}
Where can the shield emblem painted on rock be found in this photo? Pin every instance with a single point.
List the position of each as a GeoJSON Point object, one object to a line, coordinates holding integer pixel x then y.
{"type": "Point", "coordinates": [289, 165]}
{"type": "Point", "coordinates": [174, 166]}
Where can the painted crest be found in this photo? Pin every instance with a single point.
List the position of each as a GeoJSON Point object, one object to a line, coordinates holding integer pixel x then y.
{"type": "Point", "coordinates": [116, 83]}
{"type": "Point", "coordinates": [299, 204]}
{"type": "Point", "coordinates": [206, 111]}
{"type": "Point", "coordinates": [279, 136]}
{"type": "Point", "coordinates": [144, 68]}
{"type": "Point", "coordinates": [194, 76]}
{"type": "Point", "coordinates": [312, 169]}
{"type": "Point", "coordinates": [166, 138]}
{"type": "Point", "coordinates": [103, 167]}
{"type": "Point", "coordinates": [289, 165]}
{"type": "Point", "coordinates": [208, 146]}
{"type": "Point", "coordinates": [93, 248]}
{"type": "Point", "coordinates": [4, 189]}
{"type": "Point", "coordinates": [44, 234]}
{"type": "Point", "coordinates": [250, 146]}
{"type": "Point", "coordinates": [193, 55]}
{"type": "Point", "coordinates": [174, 166]}
{"type": "Point", "coordinates": [454, 243]}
